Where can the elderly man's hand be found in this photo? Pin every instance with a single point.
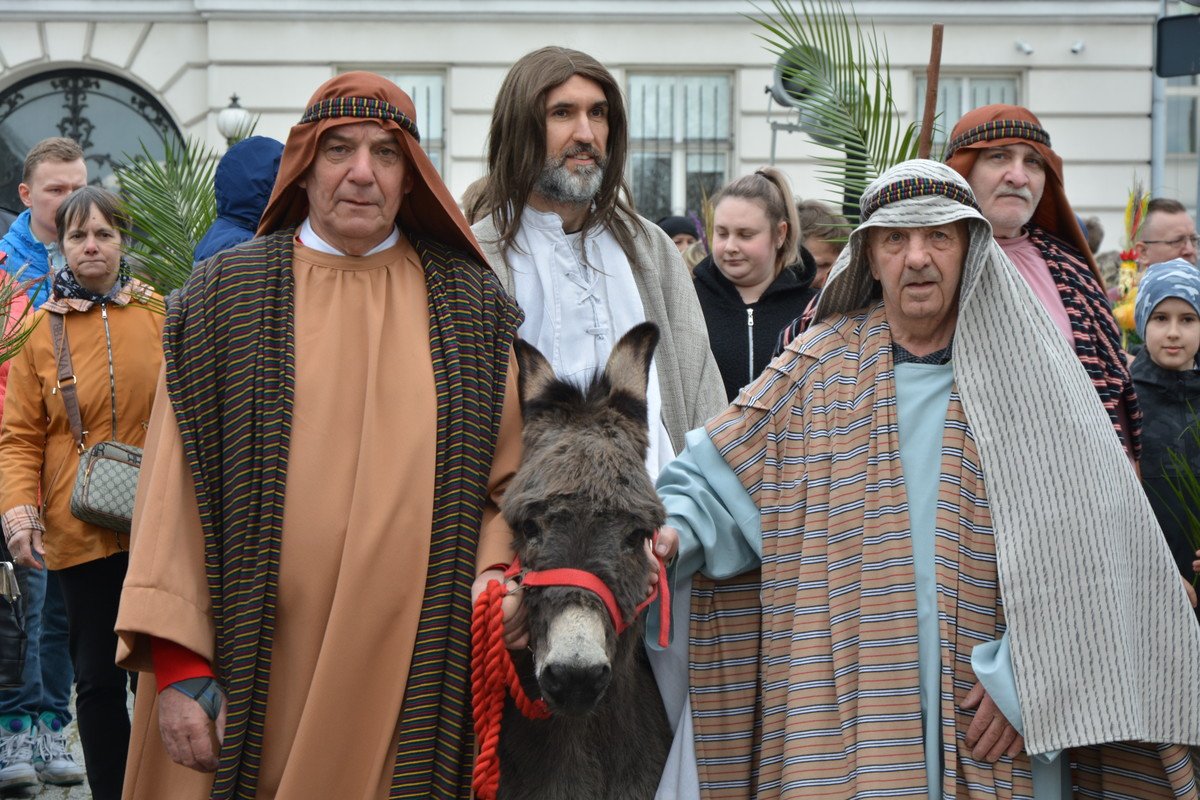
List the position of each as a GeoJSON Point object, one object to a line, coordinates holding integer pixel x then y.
{"type": "Point", "coordinates": [667, 543]}
{"type": "Point", "coordinates": [189, 736]}
{"type": "Point", "coordinates": [516, 622]}
{"type": "Point", "coordinates": [1189, 590]}
{"type": "Point", "coordinates": [990, 735]}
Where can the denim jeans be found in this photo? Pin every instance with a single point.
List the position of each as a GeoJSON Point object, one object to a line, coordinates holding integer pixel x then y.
{"type": "Point", "coordinates": [48, 674]}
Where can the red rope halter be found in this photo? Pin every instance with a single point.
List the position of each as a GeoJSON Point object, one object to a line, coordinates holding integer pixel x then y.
{"type": "Point", "coordinates": [493, 672]}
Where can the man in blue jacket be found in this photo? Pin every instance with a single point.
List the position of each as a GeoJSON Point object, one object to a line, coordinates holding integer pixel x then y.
{"type": "Point", "coordinates": [53, 169]}
{"type": "Point", "coordinates": [32, 718]}
{"type": "Point", "coordinates": [243, 183]}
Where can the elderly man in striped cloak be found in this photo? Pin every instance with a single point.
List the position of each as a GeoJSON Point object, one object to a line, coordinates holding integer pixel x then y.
{"type": "Point", "coordinates": [338, 415]}
{"type": "Point", "coordinates": [958, 565]}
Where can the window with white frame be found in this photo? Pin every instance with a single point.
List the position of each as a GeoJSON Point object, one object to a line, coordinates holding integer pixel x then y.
{"type": "Point", "coordinates": [1183, 114]}
{"type": "Point", "coordinates": [428, 92]}
{"type": "Point", "coordinates": [679, 140]}
{"type": "Point", "coordinates": [958, 94]}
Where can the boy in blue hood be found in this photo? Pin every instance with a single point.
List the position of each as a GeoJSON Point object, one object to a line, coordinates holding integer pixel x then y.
{"type": "Point", "coordinates": [1167, 381]}
{"type": "Point", "coordinates": [53, 169]}
{"type": "Point", "coordinates": [243, 183]}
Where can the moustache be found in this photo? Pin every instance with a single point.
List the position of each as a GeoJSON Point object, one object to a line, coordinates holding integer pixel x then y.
{"type": "Point", "coordinates": [1022, 193]}
{"type": "Point", "coordinates": [582, 150]}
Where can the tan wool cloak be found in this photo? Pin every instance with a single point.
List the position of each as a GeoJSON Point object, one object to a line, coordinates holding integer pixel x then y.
{"type": "Point", "coordinates": [356, 531]}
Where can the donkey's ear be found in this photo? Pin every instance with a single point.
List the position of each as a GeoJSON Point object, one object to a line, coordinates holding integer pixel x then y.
{"type": "Point", "coordinates": [534, 373]}
{"type": "Point", "coordinates": [628, 367]}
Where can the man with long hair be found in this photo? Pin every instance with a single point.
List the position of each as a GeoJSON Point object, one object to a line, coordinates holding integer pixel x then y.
{"type": "Point", "coordinates": [563, 237]}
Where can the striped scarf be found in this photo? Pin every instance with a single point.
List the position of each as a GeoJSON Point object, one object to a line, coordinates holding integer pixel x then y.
{"type": "Point", "coordinates": [229, 351]}
{"type": "Point", "coordinates": [1097, 340]}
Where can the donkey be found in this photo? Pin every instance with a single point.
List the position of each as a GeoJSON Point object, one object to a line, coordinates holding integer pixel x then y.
{"type": "Point", "coordinates": [582, 499]}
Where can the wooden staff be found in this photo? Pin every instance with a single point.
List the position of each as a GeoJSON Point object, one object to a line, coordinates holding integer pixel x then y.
{"type": "Point", "coordinates": [925, 142]}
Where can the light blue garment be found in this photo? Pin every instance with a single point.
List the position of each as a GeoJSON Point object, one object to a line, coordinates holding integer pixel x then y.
{"type": "Point", "coordinates": [720, 529]}
{"type": "Point", "coordinates": [922, 397]}
{"type": "Point", "coordinates": [992, 664]}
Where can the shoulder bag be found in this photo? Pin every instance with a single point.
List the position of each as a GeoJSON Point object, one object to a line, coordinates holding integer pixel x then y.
{"type": "Point", "coordinates": [106, 481]}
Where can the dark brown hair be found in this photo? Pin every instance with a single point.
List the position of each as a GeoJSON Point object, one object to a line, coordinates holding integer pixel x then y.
{"type": "Point", "coordinates": [517, 145]}
{"type": "Point", "coordinates": [56, 148]}
{"type": "Point", "coordinates": [770, 188]}
{"type": "Point", "coordinates": [79, 204]}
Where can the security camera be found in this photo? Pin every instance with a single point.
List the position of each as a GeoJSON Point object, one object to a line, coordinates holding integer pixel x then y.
{"type": "Point", "coordinates": [1024, 47]}
{"type": "Point", "coordinates": [1077, 48]}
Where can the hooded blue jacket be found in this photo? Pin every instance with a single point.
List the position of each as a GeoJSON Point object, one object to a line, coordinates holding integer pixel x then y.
{"type": "Point", "coordinates": [24, 250]}
{"type": "Point", "coordinates": [243, 184]}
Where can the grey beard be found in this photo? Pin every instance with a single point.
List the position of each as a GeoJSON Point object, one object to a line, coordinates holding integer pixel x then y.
{"type": "Point", "coordinates": [560, 185]}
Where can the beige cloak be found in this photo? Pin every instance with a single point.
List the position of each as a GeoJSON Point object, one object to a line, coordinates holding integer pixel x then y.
{"type": "Point", "coordinates": [355, 543]}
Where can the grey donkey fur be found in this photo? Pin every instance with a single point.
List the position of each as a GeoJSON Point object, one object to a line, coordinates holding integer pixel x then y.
{"type": "Point", "coordinates": [582, 498]}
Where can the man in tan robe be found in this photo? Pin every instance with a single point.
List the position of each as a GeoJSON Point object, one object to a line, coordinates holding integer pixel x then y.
{"type": "Point", "coordinates": [337, 415]}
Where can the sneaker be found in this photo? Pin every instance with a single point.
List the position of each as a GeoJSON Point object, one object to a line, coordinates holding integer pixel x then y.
{"type": "Point", "coordinates": [52, 758]}
{"type": "Point", "coordinates": [16, 754]}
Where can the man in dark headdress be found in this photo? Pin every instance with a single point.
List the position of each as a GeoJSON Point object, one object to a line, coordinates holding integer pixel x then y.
{"type": "Point", "coordinates": [338, 413]}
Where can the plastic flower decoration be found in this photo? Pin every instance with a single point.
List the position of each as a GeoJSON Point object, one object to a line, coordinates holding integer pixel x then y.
{"type": "Point", "coordinates": [1127, 277]}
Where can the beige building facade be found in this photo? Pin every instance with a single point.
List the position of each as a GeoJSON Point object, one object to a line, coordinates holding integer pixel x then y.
{"type": "Point", "coordinates": [694, 71]}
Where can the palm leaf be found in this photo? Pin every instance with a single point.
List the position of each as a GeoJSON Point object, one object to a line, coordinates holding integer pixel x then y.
{"type": "Point", "coordinates": [848, 96]}
{"type": "Point", "coordinates": [170, 205]}
{"type": "Point", "coordinates": [16, 331]}
{"type": "Point", "coordinates": [1185, 484]}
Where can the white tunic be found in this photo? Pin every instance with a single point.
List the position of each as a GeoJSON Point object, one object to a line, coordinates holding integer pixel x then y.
{"type": "Point", "coordinates": [579, 297]}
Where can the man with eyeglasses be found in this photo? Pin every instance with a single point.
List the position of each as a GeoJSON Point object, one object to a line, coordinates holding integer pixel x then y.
{"type": "Point", "coordinates": [1168, 233]}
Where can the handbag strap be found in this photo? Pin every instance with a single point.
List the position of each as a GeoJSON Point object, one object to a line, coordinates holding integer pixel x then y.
{"type": "Point", "coordinates": [66, 377]}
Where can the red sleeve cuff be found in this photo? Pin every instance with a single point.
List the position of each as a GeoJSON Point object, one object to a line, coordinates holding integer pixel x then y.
{"type": "Point", "coordinates": [174, 662]}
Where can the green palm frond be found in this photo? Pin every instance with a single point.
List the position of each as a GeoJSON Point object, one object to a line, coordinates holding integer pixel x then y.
{"type": "Point", "coordinates": [844, 70]}
{"type": "Point", "coordinates": [1185, 484]}
{"type": "Point", "coordinates": [16, 328]}
{"type": "Point", "coordinates": [170, 204]}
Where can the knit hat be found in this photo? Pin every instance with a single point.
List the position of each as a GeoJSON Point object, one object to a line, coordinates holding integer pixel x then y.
{"type": "Point", "coordinates": [353, 97]}
{"type": "Point", "coordinates": [1175, 278]}
{"type": "Point", "coordinates": [674, 226]}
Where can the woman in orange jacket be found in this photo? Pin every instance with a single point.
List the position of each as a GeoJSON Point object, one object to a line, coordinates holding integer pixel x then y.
{"type": "Point", "coordinates": [114, 341]}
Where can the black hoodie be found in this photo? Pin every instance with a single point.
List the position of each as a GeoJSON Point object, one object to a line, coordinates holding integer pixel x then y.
{"type": "Point", "coordinates": [743, 336]}
{"type": "Point", "coordinates": [1170, 403]}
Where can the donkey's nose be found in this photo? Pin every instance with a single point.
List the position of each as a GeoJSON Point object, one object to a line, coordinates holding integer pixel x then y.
{"type": "Point", "coordinates": [574, 688]}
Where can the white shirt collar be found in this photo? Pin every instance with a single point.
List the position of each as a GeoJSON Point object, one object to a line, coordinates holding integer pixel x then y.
{"type": "Point", "coordinates": [309, 238]}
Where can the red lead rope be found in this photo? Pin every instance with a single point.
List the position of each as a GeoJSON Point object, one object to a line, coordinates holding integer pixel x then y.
{"type": "Point", "coordinates": [493, 673]}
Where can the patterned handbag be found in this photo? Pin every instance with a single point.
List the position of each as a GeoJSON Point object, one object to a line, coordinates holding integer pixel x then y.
{"type": "Point", "coordinates": [106, 481]}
